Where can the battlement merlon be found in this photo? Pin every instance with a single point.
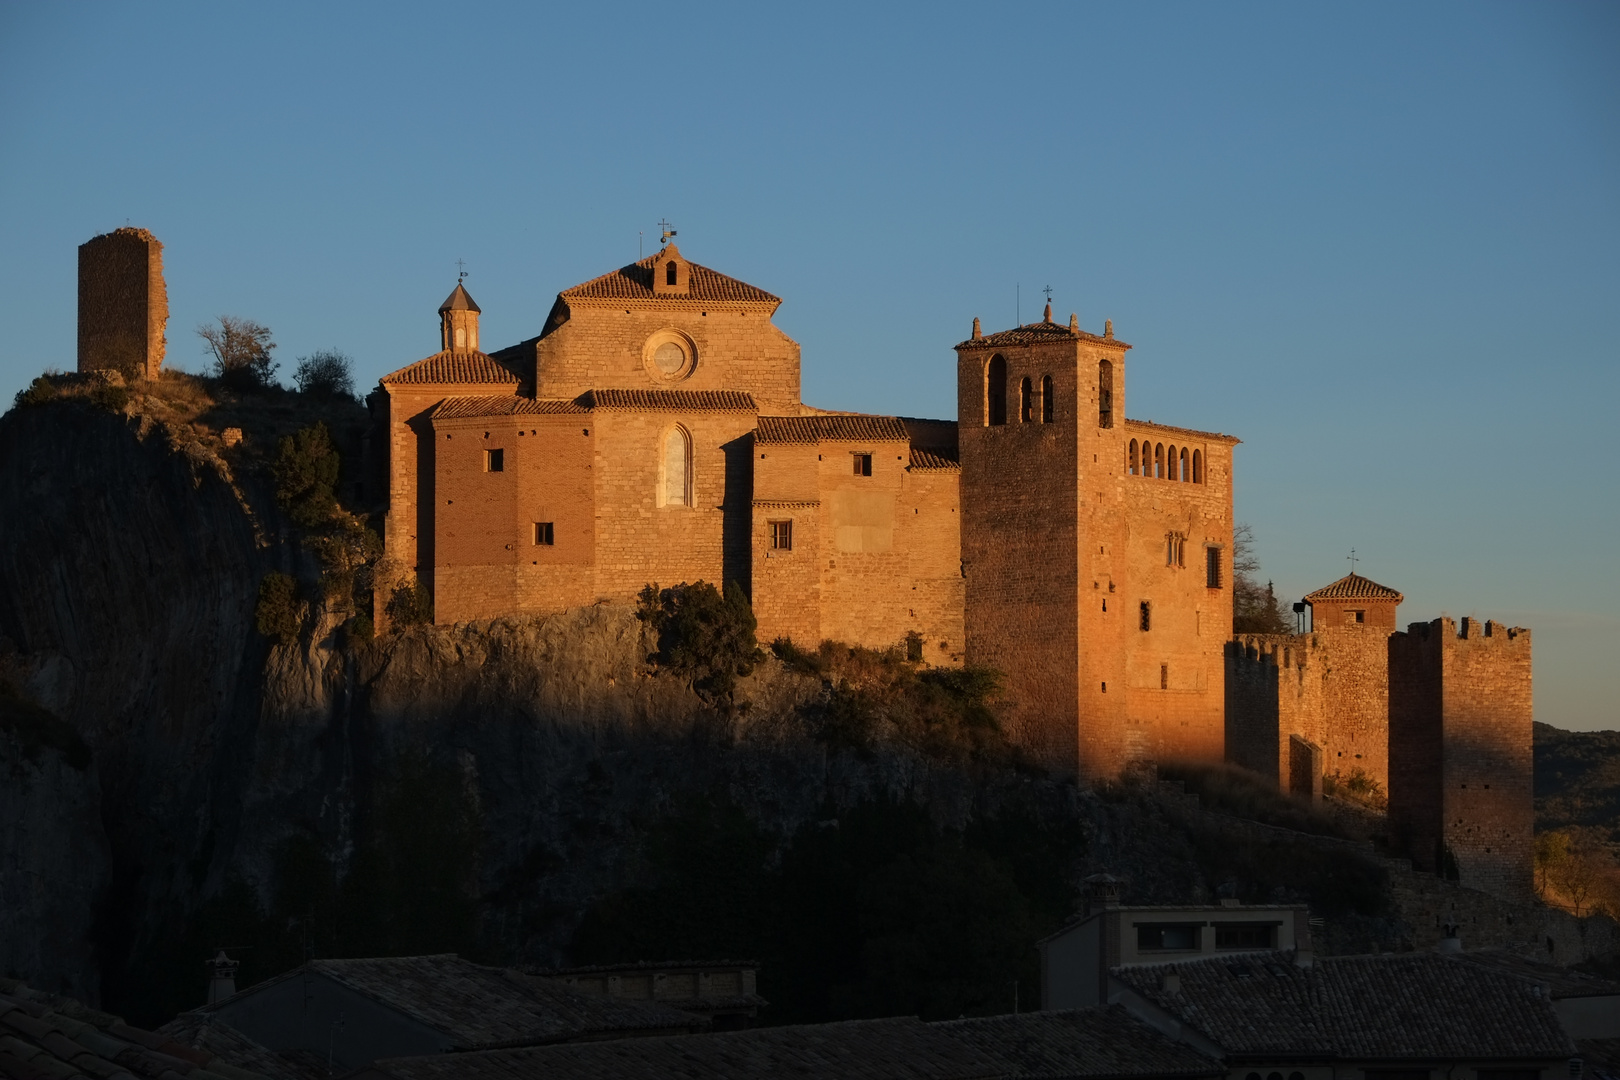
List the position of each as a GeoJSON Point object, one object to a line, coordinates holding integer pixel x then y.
{"type": "Point", "coordinates": [1471, 629]}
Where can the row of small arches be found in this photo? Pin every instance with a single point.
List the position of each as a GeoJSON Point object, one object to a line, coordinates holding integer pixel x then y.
{"type": "Point", "coordinates": [1039, 405]}
{"type": "Point", "coordinates": [1165, 462]}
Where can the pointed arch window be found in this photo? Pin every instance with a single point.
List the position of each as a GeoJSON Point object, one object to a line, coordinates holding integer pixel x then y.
{"type": "Point", "coordinates": [1026, 402]}
{"type": "Point", "coordinates": [1046, 399]}
{"type": "Point", "coordinates": [1105, 393]}
{"type": "Point", "coordinates": [676, 488]}
{"type": "Point", "coordinates": [669, 272]}
{"type": "Point", "coordinates": [995, 391]}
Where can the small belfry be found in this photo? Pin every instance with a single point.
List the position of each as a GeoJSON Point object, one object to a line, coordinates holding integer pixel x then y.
{"type": "Point", "coordinates": [458, 321]}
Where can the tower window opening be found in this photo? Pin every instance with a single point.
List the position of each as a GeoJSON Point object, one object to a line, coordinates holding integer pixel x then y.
{"type": "Point", "coordinates": [1046, 399]}
{"type": "Point", "coordinates": [1186, 472]}
{"type": "Point", "coordinates": [1145, 616]}
{"type": "Point", "coordinates": [1105, 393]}
{"type": "Point", "coordinates": [1026, 402]}
{"type": "Point", "coordinates": [1158, 461]}
{"type": "Point", "coordinates": [1197, 467]}
{"type": "Point", "coordinates": [494, 460]}
{"type": "Point", "coordinates": [544, 534]}
{"type": "Point", "coordinates": [677, 468]}
{"type": "Point", "coordinates": [1170, 462]}
{"type": "Point", "coordinates": [995, 391]}
{"type": "Point", "coordinates": [863, 464]}
{"type": "Point", "coordinates": [1212, 567]}
{"type": "Point", "coordinates": [669, 272]}
{"type": "Point", "coordinates": [1135, 468]}
{"type": "Point", "coordinates": [461, 337]}
{"type": "Point", "coordinates": [781, 536]}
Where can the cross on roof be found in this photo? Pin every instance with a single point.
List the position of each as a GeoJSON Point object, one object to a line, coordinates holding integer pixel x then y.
{"type": "Point", "coordinates": [665, 231]}
{"type": "Point", "coordinates": [1353, 560]}
{"type": "Point", "coordinates": [461, 264]}
{"type": "Point", "coordinates": [1048, 292]}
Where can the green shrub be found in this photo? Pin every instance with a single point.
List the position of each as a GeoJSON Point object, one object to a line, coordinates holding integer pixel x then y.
{"type": "Point", "coordinates": [360, 628]}
{"type": "Point", "coordinates": [306, 475]}
{"type": "Point", "coordinates": [797, 659]}
{"type": "Point", "coordinates": [703, 635]}
{"type": "Point", "coordinates": [410, 605]}
{"type": "Point", "coordinates": [325, 373]}
{"type": "Point", "coordinates": [111, 396]}
{"type": "Point", "coordinates": [37, 392]}
{"type": "Point", "coordinates": [280, 614]}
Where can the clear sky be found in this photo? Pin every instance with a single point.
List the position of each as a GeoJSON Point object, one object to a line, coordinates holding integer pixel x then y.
{"type": "Point", "coordinates": [1378, 242]}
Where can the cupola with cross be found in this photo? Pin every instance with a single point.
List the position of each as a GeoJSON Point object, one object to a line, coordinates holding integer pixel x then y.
{"type": "Point", "coordinates": [458, 321]}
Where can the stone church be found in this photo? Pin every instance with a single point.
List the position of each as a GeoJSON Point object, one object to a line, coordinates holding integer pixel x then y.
{"type": "Point", "coordinates": [653, 431]}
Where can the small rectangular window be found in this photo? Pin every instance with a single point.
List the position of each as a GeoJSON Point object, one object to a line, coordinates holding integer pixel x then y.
{"type": "Point", "coordinates": [1355, 616]}
{"type": "Point", "coordinates": [781, 536]}
{"type": "Point", "coordinates": [1154, 937]}
{"type": "Point", "coordinates": [494, 460]}
{"type": "Point", "coordinates": [1243, 937]}
{"type": "Point", "coordinates": [543, 534]}
{"type": "Point", "coordinates": [863, 464]}
{"type": "Point", "coordinates": [1147, 615]}
{"type": "Point", "coordinates": [1212, 567]}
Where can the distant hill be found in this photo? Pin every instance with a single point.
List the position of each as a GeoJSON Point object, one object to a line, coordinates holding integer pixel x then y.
{"type": "Point", "coordinates": [1577, 779]}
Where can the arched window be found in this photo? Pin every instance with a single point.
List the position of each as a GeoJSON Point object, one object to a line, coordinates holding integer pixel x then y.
{"type": "Point", "coordinates": [1026, 402]}
{"type": "Point", "coordinates": [669, 272]}
{"type": "Point", "coordinates": [1198, 467]}
{"type": "Point", "coordinates": [1105, 393]}
{"type": "Point", "coordinates": [1133, 466]}
{"type": "Point", "coordinates": [1158, 461]}
{"type": "Point", "coordinates": [461, 337]}
{"type": "Point", "coordinates": [1046, 399]}
{"type": "Point", "coordinates": [995, 391]}
{"type": "Point", "coordinates": [1170, 462]}
{"type": "Point", "coordinates": [1186, 472]}
{"type": "Point", "coordinates": [677, 468]}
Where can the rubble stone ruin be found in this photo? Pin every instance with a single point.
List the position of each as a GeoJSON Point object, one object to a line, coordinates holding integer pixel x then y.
{"type": "Point", "coordinates": [123, 304]}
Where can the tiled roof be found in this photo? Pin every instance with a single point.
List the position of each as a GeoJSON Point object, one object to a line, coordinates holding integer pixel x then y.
{"type": "Point", "coordinates": [1036, 333]}
{"type": "Point", "coordinates": [454, 367]}
{"type": "Point", "coordinates": [924, 460]}
{"type": "Point", "coordinates": [48, 1036]}
{"type": "Point", "coordinates": [208, 1033]}
{"type": "Point", "coordinates": [634, 282]}
{"type": "Point", "coordinates": [1170, 429]}
{"type": "Point", "coordinates": [481, 1007]}
{"type": "Point", "coordinates": [1561, 982]}
{"type": "Point", "coordinates": [1099, 1042]}
{"type": "Point", "coordinates": [1354, 587]}
{"type": "Point", "coordinates": [896, 1049]}
{"type": "Point", "coordinates": [502, 405]}
{"type": "Point", "coordinates": [1420, 1005]}
{"type": "Point", "coordinates": [835, 427]}
{"type": "Point", "coordinates": [458, 300]}
{"type": "Point", "coordinates": [670, 400]}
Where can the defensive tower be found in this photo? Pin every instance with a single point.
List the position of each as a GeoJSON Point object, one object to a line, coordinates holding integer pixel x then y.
{"type": "Point", "coordinates": [123, 304]}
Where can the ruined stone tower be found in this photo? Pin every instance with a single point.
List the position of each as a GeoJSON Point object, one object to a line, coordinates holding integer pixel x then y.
{"type": "Point", "coordinates": [1460, 754]}
{"type": "Point", "coordinates": [123, 304]}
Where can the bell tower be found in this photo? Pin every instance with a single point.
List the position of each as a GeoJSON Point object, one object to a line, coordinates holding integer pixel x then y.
{"type": "Point", "coordinates": [458, 321]}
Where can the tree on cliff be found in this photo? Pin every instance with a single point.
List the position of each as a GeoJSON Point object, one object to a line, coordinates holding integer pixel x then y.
{"type": "Point", "coordinates": [241, 350]}
{"type": "Point", "coordinates": [325, 373]}
{"type": "Point", "coordinates": [306, 473]}
{"type": "Point", "coordinates": [1255, 609]}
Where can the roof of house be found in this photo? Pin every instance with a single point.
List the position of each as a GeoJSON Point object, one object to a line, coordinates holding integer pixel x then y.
{"type": "Point", "coordinates": [670, 400]}
{"type": "Point", "coordinates": [635, 282]}
{"type": "Point", "coordinates": [1392, 1006]}
{"type": "Point", "coordinates": [47, 1035]}
{"type": "Point", "coordinates": [830, 427]}
{"type": "Point", "coordinates": [452, 408]}
{"type": "Point", "coordinates": [1037, 333]}
{"type": "Point", "coordinates": [458, 300]}
{"type": "Point", "coordinates": [207, 1032]}
{"type": "Point", "coordinates": [1561, 982]}
{"type": "Point", "coordinates": [902, 1048]}
{"type": "Point", "coordinates": [1101, 1042]}
{"type": "Point", "coordinates": [454, 367]}
{"type": "Point", "coordinates": [1354, 587]}
{"type": "Point", "coordinates": [928, 460]}
{"type": "Point", "coordinates": [481, 1007]}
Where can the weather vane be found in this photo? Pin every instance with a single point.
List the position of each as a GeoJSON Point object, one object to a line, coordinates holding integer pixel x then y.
{"type": "Point", "coordinates": [665, 232]}
{"type": "Point", "coordinates": [461, 264]}
{"type": "Point", "coordinates": [1353, 560]}
{"type": "Point", "coordinates": [1048, 292]}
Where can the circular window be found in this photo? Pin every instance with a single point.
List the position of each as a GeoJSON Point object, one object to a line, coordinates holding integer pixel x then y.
{"type": "Point", "coordinates": [669, 358]}
{"type": "Point", "coordinates": [669, 355]}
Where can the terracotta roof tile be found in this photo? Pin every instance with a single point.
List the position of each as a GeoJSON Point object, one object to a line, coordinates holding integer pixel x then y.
{"type": "Point", "coordinates": [502, 405]}
{"type": "Point", "coordinates": [835, 427]}
{"type": "Point", "coordinates": [1421, 1005]}
{"type": "Point", "coordinates": [634, 282]}
{"type": "Point", "coordinates": [1099, 1042]}
{"type": "Point", "coordinates": [670, 400]}
{"type": "Point", "coordinates": [1036, 333]}
{"type": "Point", "coordinates": [1168, 429]}
{"type": "Point", "coordinates": [928, 460]}
{"type": "Point", "coordinates": [454, 367]}
{"type": "Point", "coordinates": [1354, 587]}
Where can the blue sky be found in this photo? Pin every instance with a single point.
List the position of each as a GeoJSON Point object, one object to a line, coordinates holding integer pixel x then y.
{"type": "Point", "coordinates": [1378, 242]}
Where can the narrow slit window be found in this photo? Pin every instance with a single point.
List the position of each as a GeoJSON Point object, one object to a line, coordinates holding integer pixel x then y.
{"type": "Point", "coordinates": [1026, 402]}
{"type": "Point", "coordinates": [544, 534]}
{"type": "Point", "coordinates": [1212, 568]}
{"type": "Point", "coordinates": [863, 464]}
{"type": "Point", "coordinates": [995, 391]}
{"type": "Point", "coordinates": [494, 460]}
{"type": "Point", "coordinates": [1046, 399]}
{"type": "Point", "coordinates": [1145, 616]}
{"type": "Point", "coordinates": [781, 536]}
{"type": "Point", "coordinates": [1105, 393]}
{"type": "Point", "coordinates": [1164, 676]}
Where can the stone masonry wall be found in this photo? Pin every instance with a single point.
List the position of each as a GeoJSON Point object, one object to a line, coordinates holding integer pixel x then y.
{"type": "Point", "coordinates": [123, 303]}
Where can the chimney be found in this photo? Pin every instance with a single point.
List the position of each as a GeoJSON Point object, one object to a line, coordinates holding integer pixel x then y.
{"type": "Point", "coordinates": [1170, 983]}
{"type": "Point", "coordinates": [1304, 951]}
{"type": "Point", "coordinates": [221, 977]}
{"type": "Point", "coordinates": [977, 333]}
{"type": "Point", "coordinates": [1101, 893]}
{"type": "Point", "coordinates": [1451, 943]}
